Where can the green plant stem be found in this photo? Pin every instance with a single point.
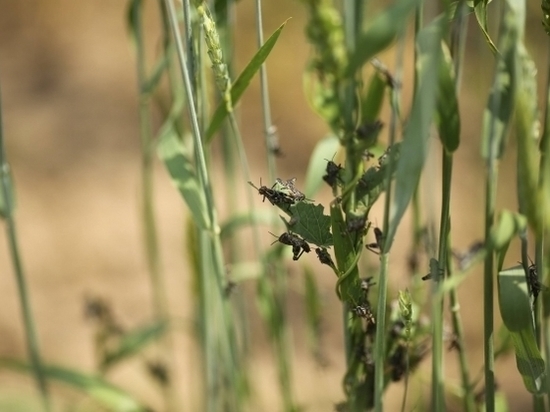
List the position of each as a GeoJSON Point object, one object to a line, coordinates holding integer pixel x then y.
{"type": "Point", "coordinates": [457, 48]}
{"type": "Point", "coordinates": [380, 338]}
{"type": "Point", "coordinates": [488, 286]}
{"type": "Point", "coordinates": [11, 233]}
{"type": "Point", "coordinates": [438, 387]}
{"type": "Point", "coordinates": [281, 332]}
{"type": "Point", "coordinates": [458, 330]}
{"type": "Point", "coordinates": [221, 320]}
{"type": "Point", "coordinates": [160, 299]}
{"type": "Point", "coordinates": [544, 182]}
{"type": "Point", "coordinates": [266, 108]}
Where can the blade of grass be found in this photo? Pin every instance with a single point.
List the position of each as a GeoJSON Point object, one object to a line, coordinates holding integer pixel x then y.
{"type": "Point", "coordinates": [103, 392]}
{"type": "Point", "coordinates": [242, 82]}
{"type": "Point", "coordinates": [24, 300]}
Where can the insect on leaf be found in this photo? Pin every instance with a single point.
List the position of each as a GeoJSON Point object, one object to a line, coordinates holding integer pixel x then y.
{"type": "Point", "coordinates": [309, 221]}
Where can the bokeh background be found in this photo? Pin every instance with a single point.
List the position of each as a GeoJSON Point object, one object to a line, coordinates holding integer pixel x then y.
{"type": "Point", "coordinates": [70, 118]}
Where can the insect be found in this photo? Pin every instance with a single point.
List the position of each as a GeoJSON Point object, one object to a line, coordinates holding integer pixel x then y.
{"type": "Point", "coordinates": [324, 257]}
{"type": "Point", "coordinates": [299, 245]}
{"type": "Point", "coordinates": [376, 247]}
{"type": "Point", "coordinates": [535, 286]}
{"type": "Point", "coordinates": [289, 189]}
{"type": "Point", "coordinates": [273, 141]}
{"type": "Point", "coordinates": [366, 283]}
{"type": "Point", "coordinates": [275, 197]}
{"type": "Point", "coordinates": [391, 81]}
{"type": "Point", "coordinates": [467, 258]}
{"type": "Point", "coordinates": [332, 176]}
{"type": "Point", "coordinates": [435, 271]}
{"type": "Point", "coordinates": [364, 311]}
{"type": "Point", "coordinates": [369, 130]}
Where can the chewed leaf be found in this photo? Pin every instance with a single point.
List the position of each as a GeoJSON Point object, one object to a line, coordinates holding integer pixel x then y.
{"type": "Point", "coordinates": [515, 309]}
{"type": "Point", "coordinates": [309, 221]}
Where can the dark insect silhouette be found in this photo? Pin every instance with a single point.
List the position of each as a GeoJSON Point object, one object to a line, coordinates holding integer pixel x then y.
{"type": "Point", "coordinates": [324, 257]}
{"type": "Point", "coordinates": [299, 245]}
{"type": "Point", "coordinates": [376, 247]}
{"type": "Point", "coordinates": [275, 197]}
{"type": "Point", "coordinates": [332, 176]}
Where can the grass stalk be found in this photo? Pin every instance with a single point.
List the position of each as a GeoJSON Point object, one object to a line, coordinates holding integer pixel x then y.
{"type": "Point", "coordinates": [280, 333]}
{"type": "Point", "coordinates": [160, 298]}
{"type": "Point", "coordinates": [220, 323]}
{"type": "Point", "coordinates": [20, 278]}
{"type": "Point", "coordinates": [488, 287]}
{"type": "Point", "coordinates": [438, 387]}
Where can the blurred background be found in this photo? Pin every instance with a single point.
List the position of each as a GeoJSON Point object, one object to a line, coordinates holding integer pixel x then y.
{"type": "Point", "coordinates": [70, 118]}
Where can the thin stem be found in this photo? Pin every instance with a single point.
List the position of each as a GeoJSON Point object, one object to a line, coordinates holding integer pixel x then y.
{"type": "Point", "coordinates": [380, 338]}
{"type": "Point", "coordinates": [488, 287]}
{"type": "Point", "coordinates": [11, 233]}
{"type": "Point", "coordinates": [438, 389]}
{"type": "Point", "coordinates": [224, 327]}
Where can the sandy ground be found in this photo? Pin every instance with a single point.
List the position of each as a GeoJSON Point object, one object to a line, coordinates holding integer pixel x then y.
{"type": "Point", "coordinates": [71, 126]}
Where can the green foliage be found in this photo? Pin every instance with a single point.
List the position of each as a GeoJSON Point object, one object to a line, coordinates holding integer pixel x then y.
{"type": "Point", "coordinates": [415, 141]}
{"type": "Point", "coordinates": [310, 223]}
{"type": "Point", "coordinates": [95, 387]}
{"type": "Point", "coordinates": [448, 114]}
{"type": "Point", "coordinates": [182, 172]}
{"type": "Point", "coordinates": [515, 309]}
{"type": "Point", "coordinates": [242, 82]}
{"type": "Point", "coordinates": [132, 342]}
{"type": "Point", "coordinates": [7, 195]}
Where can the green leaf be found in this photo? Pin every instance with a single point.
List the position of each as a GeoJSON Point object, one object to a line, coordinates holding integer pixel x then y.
{"type": "Point", "coordinates": [530, 198]}
{"type": "Point", "coordinates": [100, 390]}
{"type": "Point", "coordinates": [381, 33]}
{"type": "Point", "coordinates": [133, 342]}
{"type": "Point", "coordinates": [325, 149]}
{"type": "Point", "coordinates": [346, 257]}
{"type": "Point", "coordinates": [309, 221]}
{"type": "Point", "coordinates": [515, 309]}
{"type": "Point", "coordinates": [7, 205]}
{"type": "Point", "coordinates": [159, 69]}
{"type": "Point", "coordinates": [240, 221]}
{"type": "Point", "coordinates": [132, 19]}
{"type": "Point", "coordinates": [172, 153]}
{"type": "Point", "coordinates": [417, 133]}
{"type": "Point", "coordinates": [242, 82]}
{"type": "Point", "coordinates": [448, 115]}
{"type": "Point", "coordinates": [508, 226]}
{"type": "Point", "coordinates": [371, 103]}
{"type": "Point", "coordinates": [480, 10]}
{"type": "Point", "coordinates": [373, 182]}
{"type": "Point", "coordinates": [314, 308]}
